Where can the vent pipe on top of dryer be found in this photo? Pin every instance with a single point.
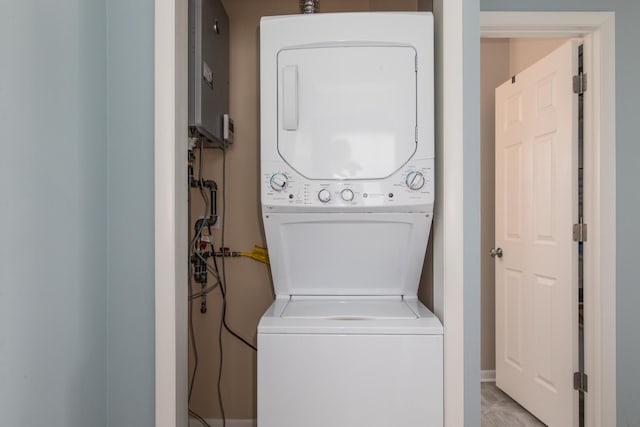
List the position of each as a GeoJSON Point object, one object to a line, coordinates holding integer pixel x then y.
{"type": "Point", "coordinates": [308, 6]}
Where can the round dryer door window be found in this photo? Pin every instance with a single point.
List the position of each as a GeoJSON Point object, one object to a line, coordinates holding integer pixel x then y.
{"type": "Point", "coordinates": [347, 112]}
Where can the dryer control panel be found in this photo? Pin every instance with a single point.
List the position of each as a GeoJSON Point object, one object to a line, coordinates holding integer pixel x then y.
{"type": "Point", "coordinates": [283, 189]}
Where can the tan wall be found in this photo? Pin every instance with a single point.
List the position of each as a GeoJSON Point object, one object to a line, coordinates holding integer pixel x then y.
{"type": "Point", "coordinates": [526, 52]}
{"type": "Point", "coordinates": [494, 70]}
{"type": "Point", "coordinates": [499, 60]}
{"type": "Point", "coordinates": [425, 5]}
{"type": "Point", "coordinates": [249, 284]}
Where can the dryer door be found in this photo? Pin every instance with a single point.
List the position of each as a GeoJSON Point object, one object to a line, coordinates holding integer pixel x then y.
{"type": "Point", "coordinates": [347, 112]}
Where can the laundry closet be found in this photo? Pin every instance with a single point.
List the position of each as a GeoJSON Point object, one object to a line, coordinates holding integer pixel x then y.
{"type": "Point", "coordinates": [236, 171]}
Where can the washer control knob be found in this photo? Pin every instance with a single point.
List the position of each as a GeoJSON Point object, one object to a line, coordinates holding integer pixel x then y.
{"type": "Point", "coordinates": [324, 196]}
{"type": "Point", "coordinates": [415, 180]}
{"type": "Point", "coordinates": [347, 195]}
{"type": "Point", "coordinates": [278, 181]}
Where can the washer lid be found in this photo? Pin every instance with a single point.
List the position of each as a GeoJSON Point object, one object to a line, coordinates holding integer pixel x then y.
{"type": "Point", "coordinates": [349, 254]}
{"type": "Point", "coordinates": [349, 316]}
{"type": "Point", "coordinates": [348, 309]}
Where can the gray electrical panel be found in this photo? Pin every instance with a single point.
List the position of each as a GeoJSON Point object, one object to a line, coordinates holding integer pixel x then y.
{"type": "Point", "coordinates": [208, 71]}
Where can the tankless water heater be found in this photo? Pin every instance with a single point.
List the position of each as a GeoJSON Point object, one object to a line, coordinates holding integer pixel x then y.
{"type": "Point", "coordinates": [208, 70]}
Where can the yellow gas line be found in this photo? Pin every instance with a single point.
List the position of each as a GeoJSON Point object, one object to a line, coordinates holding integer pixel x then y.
{"type": "Point", "coordinates": [258, 254]}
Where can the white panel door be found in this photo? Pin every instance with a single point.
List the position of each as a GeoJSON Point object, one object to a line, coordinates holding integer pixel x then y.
{"type": "Point", "coordinates": [536, 205]}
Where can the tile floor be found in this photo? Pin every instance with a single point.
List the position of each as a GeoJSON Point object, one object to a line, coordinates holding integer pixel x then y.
{"type": "Point", "coordinates": [499, 410]}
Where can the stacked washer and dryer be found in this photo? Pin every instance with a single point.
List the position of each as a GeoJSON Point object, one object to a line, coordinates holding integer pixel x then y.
{"type": "Point", "coordinates": [347, 170]}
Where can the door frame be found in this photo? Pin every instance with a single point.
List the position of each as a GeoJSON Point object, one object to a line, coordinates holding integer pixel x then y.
{"type": "Point", "coordinates": [598, 31]}
{"type": "Point", "coordinates": [170, 212]}
{"type": "Point", "coordinates": [170, 118]}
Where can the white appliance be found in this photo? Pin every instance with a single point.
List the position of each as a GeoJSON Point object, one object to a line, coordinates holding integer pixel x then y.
{"type": "Point", "coordinates": [347, 200]}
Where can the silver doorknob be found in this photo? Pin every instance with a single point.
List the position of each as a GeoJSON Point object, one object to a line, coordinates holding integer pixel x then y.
{"type": "Point", "coordinates": [495, 252]}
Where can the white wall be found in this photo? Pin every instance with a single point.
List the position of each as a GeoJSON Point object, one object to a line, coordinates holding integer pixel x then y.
{"type": "Point", "coordinates": [76, 213]}
{"type": "Point", "coordinates": [53, 218]}
{"type": "Point", "coordinates": [130, 235]}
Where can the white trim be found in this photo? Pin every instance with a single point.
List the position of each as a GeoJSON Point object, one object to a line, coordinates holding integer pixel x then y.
{"type": "Point", "coordinates": [170, 207]}
{"type": "Point", "coordinates": [543, 24]}
{"type": "Point", "coordinates": [448, 227]}
{"type": "Point", "coordinates": [218, 423]}
{"type": "Point", "coordinates": [598, 29]}
{"type": "Point", "coordinates": [487, 376]}
{"type": "Point", "coordinates": [600, 249]}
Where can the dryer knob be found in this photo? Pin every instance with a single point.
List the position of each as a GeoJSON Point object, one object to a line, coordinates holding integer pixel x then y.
{"type": "Point", "coordinates": [278, 181]}
{"type": "Point", "coordinates": [324, 196]}
{"type": "Point", "coordinates": [347, 195]}
{"type": "Point", "coordinates": [415, 180]}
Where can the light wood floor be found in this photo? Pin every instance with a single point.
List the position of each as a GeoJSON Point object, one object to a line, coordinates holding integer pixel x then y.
{"type": "Point", "coordinates": [499, 410]}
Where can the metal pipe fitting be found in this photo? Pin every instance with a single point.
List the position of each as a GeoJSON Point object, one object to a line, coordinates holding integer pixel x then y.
{"type": "Point", "coordinates": [308, 6]}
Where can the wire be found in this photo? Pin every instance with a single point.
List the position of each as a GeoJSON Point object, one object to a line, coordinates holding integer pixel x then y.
{"type": "Point", "coordinates": [223, 285]}
{"type": "Point", "coordinates": [224, 309]}
{"type": "Point", "coordinates": [203, 224]}
{"type": "Point", "coordinates": [193, 342]}
{"type": "Point", "coordinates": [204, 292]}
{"type": "Point", "coordinates": [198, 232]}
{"type": "Point", "coordinates": [199, 418]}
{"type": "Point", "coordinates": [192, 336]}
{"type": "Point", "coordinates": [220, 282]}
{"type": "Point", "coordinates": [220, 364]}
{"type": "Point", "coordinates": [194, 345]}
{"type": "Point", "coordinates": [215, 271]}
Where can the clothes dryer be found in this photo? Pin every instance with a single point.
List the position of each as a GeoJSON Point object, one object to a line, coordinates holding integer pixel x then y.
{"type": "Point", "coordinates": [347, 191]}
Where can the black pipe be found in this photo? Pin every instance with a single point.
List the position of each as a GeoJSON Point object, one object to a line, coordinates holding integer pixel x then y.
{"type": "Point", "coordinates": [213, 191]}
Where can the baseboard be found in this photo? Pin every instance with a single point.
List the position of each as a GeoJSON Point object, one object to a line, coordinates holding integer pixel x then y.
{"type": "Point", "coordinates": [218, 423]}
{"type": "Point", "coordinates": [487, 376]}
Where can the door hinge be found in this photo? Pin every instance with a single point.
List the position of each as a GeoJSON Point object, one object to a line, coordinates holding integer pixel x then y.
{"type": "Point", "coordinates": [580, 381]}
{"type": "Point", "coordinates": [580, 83]}
{"type": "Point", "coordinates": [580, 232]}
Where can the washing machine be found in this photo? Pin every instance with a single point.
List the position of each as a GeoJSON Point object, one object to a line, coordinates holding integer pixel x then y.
{"type": "Point", "coordinates": [347, 192]}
